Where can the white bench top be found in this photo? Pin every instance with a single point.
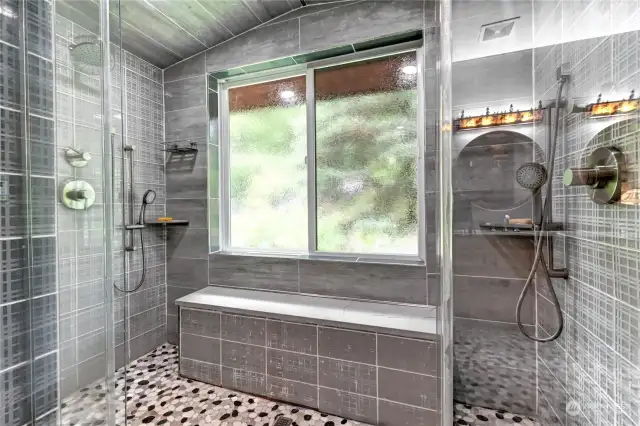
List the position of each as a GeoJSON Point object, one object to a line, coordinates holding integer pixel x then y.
{"type": "Point", "coordinates": [407, 320]}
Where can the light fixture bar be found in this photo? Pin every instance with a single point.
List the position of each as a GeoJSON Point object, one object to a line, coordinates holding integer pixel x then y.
{"type": "Point", "coordinates": [509, 118]}
{"type": "Point", "coordinates": [606, 108]}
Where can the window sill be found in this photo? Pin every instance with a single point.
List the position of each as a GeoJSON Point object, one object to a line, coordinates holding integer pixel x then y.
{"type": "Point", "coordinates": [400, 260]}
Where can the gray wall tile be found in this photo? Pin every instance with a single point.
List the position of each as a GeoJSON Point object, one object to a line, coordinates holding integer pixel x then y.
{"type": "Point", "coordinates": [202, 371]}
{"type": "Point", "coordinates": [254, 272]}
{"type": "Point", "coordinates": [186, 124]}
{"type": "Point", "coordinates": [419, 356]}
{"type": "Point", "coordinates": [492, 256]}
{"type": "Point", "coordinates": [193, 210]}
{"type": "Point", "coordinates": [243, 380]}
{"type": "Point", "coordinates": [243, 329]}
{"type": "Point", "coordinates": [174, 293]}
{"type": "Point", "coordinates": [261, 44]}
{"type": "Point", "coordinates": [294, 392]}
{"type": "Point", "coordinates": [358, 22]}
{"type": "Point", "coordinates": [202, 323]}
{"type": "Point", "coordinates": [347, 345]}
{"type": "Point", "coordinates": [404, 415]}
{"type": "Point", "coordinates": [503, 84]}
{"type": "Point", "coordinates": [200, 348]}
{"type": "Point", "coordinates": [187, 272]}
{"type": "Point", "coordinates": [349, 405]}
{"type": "Point", "coordinates": [173, 330]}
{"type": "Point", "coordinates": [292, 366]}
{"type": "Point", "coordinates": [188, 68]}
{"type": "Point", "coordinates": [408, 388]}
{"type": "Point", "coordinates": [348, 376]}
{"type": "Point", "coordinates": [292, 337]}
{"type": "Point", "coordinates": [491, 299]}
{"type": "Point", "coordinates": [141, 345]}
{"type": "Point", "coordinates": [185, 93]}
{"type": "Point", "coordinates": [364, 281]}
{"type": "Point", "coordinates": [187, 242]}
{"type": "Point", "coordinates": [189, 184]}
{"type": "Point", "coordinates": [243, 357]}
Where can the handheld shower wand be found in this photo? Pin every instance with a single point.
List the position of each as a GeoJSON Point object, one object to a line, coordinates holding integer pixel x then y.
{"type": "Point", "coordinates": [533, 176]}
{"type": "Point", "coordinates": [148, 198]}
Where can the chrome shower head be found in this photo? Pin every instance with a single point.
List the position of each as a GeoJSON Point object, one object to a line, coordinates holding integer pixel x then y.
{"type": "Point", "coordinates": [148, 198]}
{"type": "Point", "coordinates": [531, 176]}
{"type": "Point", "coordinates": [86, 54]}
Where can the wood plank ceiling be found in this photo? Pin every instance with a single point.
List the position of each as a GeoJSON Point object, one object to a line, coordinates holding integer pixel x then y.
{"type": "Point", "coordinates": [164, 32]}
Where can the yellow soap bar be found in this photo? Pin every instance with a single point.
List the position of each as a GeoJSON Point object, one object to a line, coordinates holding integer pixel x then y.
{"type": "Point", "coordinates": [165, 219]}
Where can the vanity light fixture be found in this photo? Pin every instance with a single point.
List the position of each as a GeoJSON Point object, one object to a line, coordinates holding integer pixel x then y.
{"type": "Point", "coordinates": [505, 118]}
{"type": "Point", "coordinates": [606, 108]}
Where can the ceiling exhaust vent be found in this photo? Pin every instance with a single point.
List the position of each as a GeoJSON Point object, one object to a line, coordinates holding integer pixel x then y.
{"type": "Point", "coordinates": [497, 30]}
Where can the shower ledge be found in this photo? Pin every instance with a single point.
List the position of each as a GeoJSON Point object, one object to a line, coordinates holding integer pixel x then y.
{"type": "Point", "coordinates": [397, 319]}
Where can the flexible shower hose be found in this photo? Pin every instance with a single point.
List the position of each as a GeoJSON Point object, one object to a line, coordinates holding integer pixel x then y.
{"type": "Point", "coordinates": [538, 241]}
{"type": "Point", "coordinates": [144, 270]}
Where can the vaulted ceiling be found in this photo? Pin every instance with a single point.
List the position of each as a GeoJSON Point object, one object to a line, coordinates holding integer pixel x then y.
{"type": "Point", "coordinates": [164, 32]}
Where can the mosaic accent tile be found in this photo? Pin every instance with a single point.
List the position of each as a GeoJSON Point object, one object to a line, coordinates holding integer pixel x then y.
{"type": "Point", "coordinates": [465, 414]}
{"type": "Point", "coordinates": [157, 395]}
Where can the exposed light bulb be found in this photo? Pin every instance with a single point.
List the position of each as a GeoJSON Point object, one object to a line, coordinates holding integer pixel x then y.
{"type": "Point", "coordinates": [287, 95]}
{"type": "Point", "coordinates": [410, 69]}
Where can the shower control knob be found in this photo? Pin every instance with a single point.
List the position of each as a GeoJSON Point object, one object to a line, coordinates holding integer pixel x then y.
{"type": "Point", "coordinates": [77, 195]}
{"type": "Point", "coordinates": [595, 177]}
{"type": "Point", "coordinates": [603, 175]}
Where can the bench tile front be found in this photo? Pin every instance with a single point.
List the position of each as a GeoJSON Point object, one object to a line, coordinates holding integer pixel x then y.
{"type": "Point", "coordinates": [366, 376]}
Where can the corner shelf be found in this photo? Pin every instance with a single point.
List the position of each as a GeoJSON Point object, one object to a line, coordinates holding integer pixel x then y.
{"type": "Point", "coordinates": [169, 223]}
{"type": "Point", "coordinates": [175, 148]}
{"type": "Point", "coordinates": [514, 230]}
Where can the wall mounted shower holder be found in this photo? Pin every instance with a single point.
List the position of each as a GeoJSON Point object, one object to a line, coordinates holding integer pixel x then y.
{"type": "Point", "coordinates": [77, 158]}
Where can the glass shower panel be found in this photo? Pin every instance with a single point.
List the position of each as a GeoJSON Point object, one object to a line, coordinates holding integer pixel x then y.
{"type": "Point", "coordinates": [497, 127]}
{"type": "Point", "coordinates": [83, 67]}
{"type": "Point", "coordinates": [540, 93]}
{"type": "Point", "coordinates": [593, 366]}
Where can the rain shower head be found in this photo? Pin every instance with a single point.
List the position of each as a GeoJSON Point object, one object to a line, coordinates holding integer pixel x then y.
{"type": "Point", "coordinates": [86, 54]}
{"type": "Point", "coordinates": [531, 176]}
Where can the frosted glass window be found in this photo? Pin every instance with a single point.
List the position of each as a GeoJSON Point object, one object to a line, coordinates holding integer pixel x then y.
{"type": "Point", "coordinates": [267, 170]}
{"type": "Point", "coordinates": [367, 156]}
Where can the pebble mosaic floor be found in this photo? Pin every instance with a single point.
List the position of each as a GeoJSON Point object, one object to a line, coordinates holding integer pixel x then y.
{"type": "Point", "coordinates": [157, 395]}
{"type": "Point", "coordinates": [465, 414]}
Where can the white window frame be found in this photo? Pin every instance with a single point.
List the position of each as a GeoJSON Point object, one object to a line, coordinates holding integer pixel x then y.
{"type": "Point", "coordinates": [308, 70]}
